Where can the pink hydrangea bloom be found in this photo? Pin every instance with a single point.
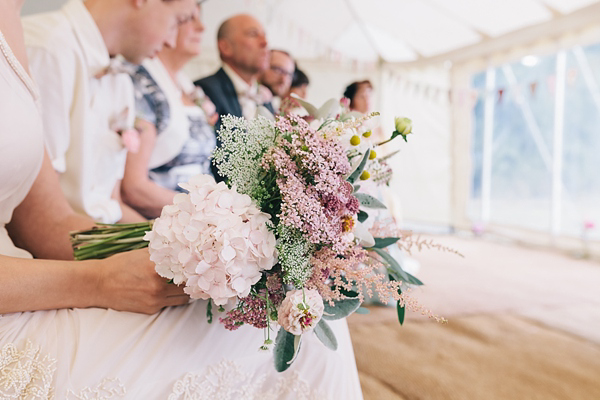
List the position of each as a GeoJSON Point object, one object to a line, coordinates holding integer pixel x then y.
{"type": "Point", "coordinates": [213, 239]}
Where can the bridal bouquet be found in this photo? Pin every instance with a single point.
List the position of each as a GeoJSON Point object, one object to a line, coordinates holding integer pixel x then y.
{"type": "Point", "coordinates": [283, 241]}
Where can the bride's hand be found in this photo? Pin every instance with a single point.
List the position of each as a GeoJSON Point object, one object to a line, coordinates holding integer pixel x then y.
{"type": "Point", "coordinates": [128, 282]}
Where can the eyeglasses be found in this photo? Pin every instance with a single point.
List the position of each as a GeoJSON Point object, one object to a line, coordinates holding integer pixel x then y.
{"type": "Point", "coordinates": [281, 71]}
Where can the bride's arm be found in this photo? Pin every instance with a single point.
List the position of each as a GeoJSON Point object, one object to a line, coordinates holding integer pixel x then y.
{"type": "Point", "coordinates": [125, 282]}
{"type": "Point", "coordinates": [42, 222]}
{"type": "Point", "coordinates": [41, 225]}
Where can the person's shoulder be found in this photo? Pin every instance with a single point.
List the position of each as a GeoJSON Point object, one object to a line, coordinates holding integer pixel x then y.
{"type": "Point", "coordinates": [50, 31]}
{"type": "Point", "coordinates": [210, 80]}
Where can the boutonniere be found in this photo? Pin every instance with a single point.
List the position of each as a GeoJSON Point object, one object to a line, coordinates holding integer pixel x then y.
{"type": "Point", "coordinates": [264, 95]}
{"type": "Point", "coordinates": [130, 136]}
{"type": "Point", "coordinates": [208, 107]}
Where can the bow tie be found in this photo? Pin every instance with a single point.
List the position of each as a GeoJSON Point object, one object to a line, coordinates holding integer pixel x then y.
{"type": "Point", "coordinates": [261, 96]}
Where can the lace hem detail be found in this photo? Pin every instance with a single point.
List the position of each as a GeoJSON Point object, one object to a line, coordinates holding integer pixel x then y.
{"type": "Point", "coordinates": [226, 381]}
{"type": "Point", "coordinates": [25, 374]}
{"type": "Point", "coordinates": [109, 388]}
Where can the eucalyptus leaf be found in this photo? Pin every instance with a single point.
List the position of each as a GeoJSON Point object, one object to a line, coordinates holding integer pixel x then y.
{"type": "Point", "coordinates": [356, 187]}
{"type": "Point", "coordinates": [341, 309]}
{"type": "Point", "coordinates": [380, 243]}
{"type": "Point", "coordinates": [396, 270]}
{"type": "Point", "coordinates": [326, 335]}
{"type": "Point", "coordinates": [414, 280]}
{"type": "Point", "coordinates": [346, 292]}
{"type": "Point", "coordinates": [401, 310]}
{"type": "Point", "coordinates": [369, 201]}
{"type": "Point", "coordinates": [285, 350]}
{"type": "Point", "coordinates": [362, 310]}
{"type": "Point", "coordinates": [362, 216]}
{"type": "Point", "coordinates": [354, 176]}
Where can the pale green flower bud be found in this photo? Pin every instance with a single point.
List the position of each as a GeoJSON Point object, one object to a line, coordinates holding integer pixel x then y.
{"type": "Point", "coordinates": [403, 125]}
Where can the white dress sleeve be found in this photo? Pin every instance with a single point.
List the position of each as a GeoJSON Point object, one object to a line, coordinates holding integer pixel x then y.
{"type": "Point", "coordinates": [55, 82]}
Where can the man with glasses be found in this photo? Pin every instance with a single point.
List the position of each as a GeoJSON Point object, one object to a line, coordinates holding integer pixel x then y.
{"type": "Point", "coordinates": [278, 77]}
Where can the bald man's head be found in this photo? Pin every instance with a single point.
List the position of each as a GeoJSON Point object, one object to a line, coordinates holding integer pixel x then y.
{"type": "Point", "coordinates": [243, 45]}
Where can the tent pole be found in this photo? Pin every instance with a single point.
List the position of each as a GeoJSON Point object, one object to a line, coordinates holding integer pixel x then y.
{"type": "Point", "coordinates": [532, 124]}
{"type": "Point", "coordinates": [557, 149]}
{"type": "Point", "coordinates": [488, 138]}
{"type": "Point", "coordinates": [588, 75]}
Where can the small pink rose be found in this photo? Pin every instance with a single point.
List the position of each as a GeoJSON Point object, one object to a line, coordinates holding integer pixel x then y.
{"type": "Point", "coordinates": [300, 311]}
{"type": "Point", "coordinates": [264, 94]}
{"type": "Point", "coordinates": [208, 107]}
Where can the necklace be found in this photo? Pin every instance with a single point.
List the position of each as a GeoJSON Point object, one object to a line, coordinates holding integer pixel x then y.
{"type": "Point", "coordinates": [17, 67]}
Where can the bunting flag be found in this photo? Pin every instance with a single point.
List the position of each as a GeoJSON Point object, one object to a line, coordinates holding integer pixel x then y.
{"type": "Point", "coordinates": [532, 88]}
{"type": "Point", "coordinates": [571, 76]}
{"type": "Point", "coordinates": [551, 82]}
{"type": "Point", "coordinates": [500, 95]}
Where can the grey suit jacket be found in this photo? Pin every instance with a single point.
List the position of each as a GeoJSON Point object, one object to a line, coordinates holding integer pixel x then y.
{"type": "Point", "coordinates": [221, 92]}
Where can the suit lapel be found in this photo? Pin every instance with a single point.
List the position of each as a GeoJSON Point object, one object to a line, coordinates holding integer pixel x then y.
{"type": "Point", "coordinates": [230, 95]}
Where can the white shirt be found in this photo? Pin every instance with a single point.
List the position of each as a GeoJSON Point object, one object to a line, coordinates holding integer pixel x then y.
{"type": "Point", "coordinates": [247, 94]}
{"type": "Point", "coordinates": [66, 51]}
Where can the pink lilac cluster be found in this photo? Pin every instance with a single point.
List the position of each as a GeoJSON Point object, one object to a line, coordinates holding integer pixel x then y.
{"type": "Point", "coordinates": [253, 310]}
{"type": "Point", "coordinates": [311, 172]}
{"type": "Point", "coordinates": [214, 240]}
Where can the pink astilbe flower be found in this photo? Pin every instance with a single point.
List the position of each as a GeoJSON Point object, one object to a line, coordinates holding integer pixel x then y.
{"type": "Point", "coordinates": [352, 271]}
{"type": "Point", "coordinates": [358, 272]}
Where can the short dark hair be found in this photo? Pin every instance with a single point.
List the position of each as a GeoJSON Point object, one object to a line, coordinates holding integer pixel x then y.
{"type": "Point", "coordinates": [299, 78]}
{"type": "Point", "coordinates": [352, 88]}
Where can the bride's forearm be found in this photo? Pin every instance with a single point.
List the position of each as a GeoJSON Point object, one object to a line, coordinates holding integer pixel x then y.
{"type": "Point", "coordinates": [42, 222]}
{"type": "Point", "coordinates": [30, 285]}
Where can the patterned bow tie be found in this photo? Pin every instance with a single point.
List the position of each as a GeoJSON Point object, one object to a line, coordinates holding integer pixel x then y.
{"type": "Point", "coordinates": [263, 95]}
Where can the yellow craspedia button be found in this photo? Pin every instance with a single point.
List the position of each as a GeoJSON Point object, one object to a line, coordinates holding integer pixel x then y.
{"type": "Point", "coordinates": [365, 175]}
{"type": "Point", "coordinates": [355, 140]}
{"type": "Point", "coordinates": [367, 134]}
{"type": "Point", "coordinates": [372, 155]}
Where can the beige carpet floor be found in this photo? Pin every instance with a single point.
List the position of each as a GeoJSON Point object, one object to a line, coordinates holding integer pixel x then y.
{"type": "Point", "coordinates": [523, 324]}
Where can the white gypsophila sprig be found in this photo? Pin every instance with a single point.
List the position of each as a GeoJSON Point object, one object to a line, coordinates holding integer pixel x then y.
{"type": "Point", "coordinates": [243, 143]}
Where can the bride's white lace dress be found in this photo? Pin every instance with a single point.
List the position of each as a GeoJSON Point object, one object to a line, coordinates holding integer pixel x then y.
{"type": "Point", "coordinates": [105, 354]}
